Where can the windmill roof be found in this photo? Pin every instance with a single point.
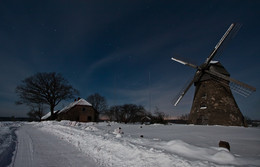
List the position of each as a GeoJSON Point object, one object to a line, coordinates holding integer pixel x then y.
{"type": "Point", "coordinates": [215, 66]}
{"type": "Point", "coordinates": [80, 102]}
{"type": "Point", "coordinates": [218, 67]}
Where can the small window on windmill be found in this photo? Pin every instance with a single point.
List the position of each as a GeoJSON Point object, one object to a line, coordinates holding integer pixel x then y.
{"type": "Point", "coordinates": [83, 109]}
{"type": "Point", "coordinates": [203, 107]}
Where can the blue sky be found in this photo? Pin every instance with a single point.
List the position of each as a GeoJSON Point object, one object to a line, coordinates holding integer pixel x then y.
{"type": "Point", "coordinates": [112, 47]}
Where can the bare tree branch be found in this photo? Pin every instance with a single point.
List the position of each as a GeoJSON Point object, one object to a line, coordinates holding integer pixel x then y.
{"type": "Point", "coordinates": [45, 88]}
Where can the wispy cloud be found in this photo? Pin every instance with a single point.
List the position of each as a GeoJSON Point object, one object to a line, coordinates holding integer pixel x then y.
{"type": "Point", "coordinates": [142, 49]}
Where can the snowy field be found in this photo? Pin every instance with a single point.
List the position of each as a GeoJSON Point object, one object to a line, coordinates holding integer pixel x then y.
{"type": "Point", "coordinates": [119, 145]}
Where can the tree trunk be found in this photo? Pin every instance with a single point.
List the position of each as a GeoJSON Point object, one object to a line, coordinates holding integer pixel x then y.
{"type": "Point", "coordinates": [52, 112]}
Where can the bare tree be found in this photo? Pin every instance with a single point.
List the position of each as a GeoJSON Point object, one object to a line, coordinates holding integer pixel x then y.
{"type": "Point", "coordinates": [159, 116]}
{"type": "Point", "coordinates": [36, 112]}
{"type": "Point", "coordinates": [185, 117]}
{"type": "Point", "coordinates": [114, 113]}
{"type": "Point", "coordinates": [45, 88]}
{"type": "Point", "coordinates": [133, 113]}
{"type": "Point", "coordinates": [98, 102]}
{"type": "Point", "coordinates": [126, 113]}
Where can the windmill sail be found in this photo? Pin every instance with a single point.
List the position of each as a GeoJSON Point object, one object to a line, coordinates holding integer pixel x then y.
{"type": "Point", "coordinates": [237, 86]}
{"type": "Point", "coordinates": [185, 63]}
{"type": "Point", "coordinates": [183, 91]}
{"type": "Point", "coordinates": [230, 33]}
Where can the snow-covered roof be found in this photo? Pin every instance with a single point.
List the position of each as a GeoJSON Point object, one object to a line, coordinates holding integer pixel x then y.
{"type": "Point", "coordinates": [46, 116]}
{"type": "Point", "coordinates": [213, 62]}
{"type": "Point", "coordinates": [81, 102]}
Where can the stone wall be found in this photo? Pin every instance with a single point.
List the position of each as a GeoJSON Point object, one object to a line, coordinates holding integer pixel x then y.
{"type": "Point", "coordinates": [214, 104]}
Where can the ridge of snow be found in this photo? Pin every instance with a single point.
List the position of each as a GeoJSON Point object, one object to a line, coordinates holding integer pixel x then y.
{"type": "Point", "coordinates": [81, 102]}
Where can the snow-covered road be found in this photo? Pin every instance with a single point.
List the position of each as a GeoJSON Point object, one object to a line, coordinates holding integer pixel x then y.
{"type": "Point", "coordinates": [42, 149]}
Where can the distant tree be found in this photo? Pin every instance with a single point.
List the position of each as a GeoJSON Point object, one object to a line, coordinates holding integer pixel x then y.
{"type": "Point", "coordinates": [36, 112]}
{"type": "Point", "coordinates": [133, 113]}
{"type": "Point", "coordinates": [184, 117]}
{"type": "Point", "coordinates": [126, 113]}
{"type": "Point", "coordinates": [45, 88]}
{"type": "Point", "coordinates": [159, 116]}
{"type": "Point", "coordinates": [98, 102]}
{"type": "Point", "coordinates": [114, 113]}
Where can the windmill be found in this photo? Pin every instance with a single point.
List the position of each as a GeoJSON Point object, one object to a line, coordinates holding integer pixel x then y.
{"type": "Point", "coordinates": [213, 102]}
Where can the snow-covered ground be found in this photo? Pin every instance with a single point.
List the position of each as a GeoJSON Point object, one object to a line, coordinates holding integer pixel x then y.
{"type": "Point", "coordinates": [117, 144]}
{"type": "Point", "coordinates": [7, 141]}
{"type": "Point", "coordinates": [37, 148]}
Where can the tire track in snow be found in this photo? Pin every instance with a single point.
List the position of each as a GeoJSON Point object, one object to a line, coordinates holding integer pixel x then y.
{"type": "Point", "coordinates": [41, 149]}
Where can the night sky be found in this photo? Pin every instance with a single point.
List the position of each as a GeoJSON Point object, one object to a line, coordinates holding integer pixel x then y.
{"type": "Point", "coordinates": [122, 49]}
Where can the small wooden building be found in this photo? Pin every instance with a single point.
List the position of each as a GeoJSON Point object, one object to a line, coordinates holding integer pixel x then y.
{"type": "Point", "coordinates": [80, 110]}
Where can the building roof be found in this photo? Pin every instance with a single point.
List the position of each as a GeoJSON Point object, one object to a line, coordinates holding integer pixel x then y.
{"type": "Point", "coordinates": [80, 102]}
{"type": "Point", "coordinates": [215, 66]}
{"type": "Point", "coordinates": [46, 116]}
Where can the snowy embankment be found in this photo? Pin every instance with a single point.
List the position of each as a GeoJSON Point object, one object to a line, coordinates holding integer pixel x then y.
{"type": "Point", "coordinates": [7, 141]}
{"type": "Point", "coordinates": [160, 145]}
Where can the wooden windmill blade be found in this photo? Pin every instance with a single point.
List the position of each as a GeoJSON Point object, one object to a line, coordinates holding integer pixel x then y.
{"type": "Point", "coordinates": [243, 91]}
{"type": "Point", "coordinates": [230, 33]}
{"type": "Point", "coordinates": [239, 87]}
{"type": "Point", "coordinates": [187, 86]}
{"type": "Point", "coordinates": [185, 63]}
{"type": "Point", "coordinates": [183, 91]}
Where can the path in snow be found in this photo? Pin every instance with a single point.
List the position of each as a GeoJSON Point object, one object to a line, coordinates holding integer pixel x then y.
{"type": "Point", "coordinates": [38, 148]}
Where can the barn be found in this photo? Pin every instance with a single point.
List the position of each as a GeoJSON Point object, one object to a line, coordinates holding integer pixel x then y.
{"type": "Point", "coordinates": [79, 110]}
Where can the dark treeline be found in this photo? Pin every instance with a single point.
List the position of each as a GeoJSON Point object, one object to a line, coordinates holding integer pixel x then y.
{"type": "Point", "coordinates": [131, 113]}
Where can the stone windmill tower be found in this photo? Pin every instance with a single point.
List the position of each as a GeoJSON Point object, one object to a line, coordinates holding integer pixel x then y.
{"type": "Point", "coordinates": [213, 102]}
